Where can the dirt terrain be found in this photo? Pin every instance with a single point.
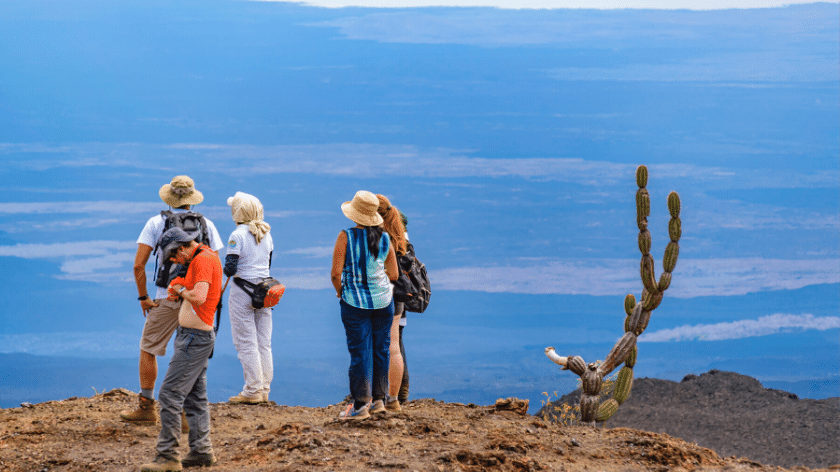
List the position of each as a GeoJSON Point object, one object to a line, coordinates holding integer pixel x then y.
{"type": "Point", "coordinates": [86, 434]}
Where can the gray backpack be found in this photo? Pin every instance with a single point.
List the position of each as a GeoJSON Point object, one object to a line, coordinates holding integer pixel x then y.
{"type": "Point", "coordinates": [190, 222]}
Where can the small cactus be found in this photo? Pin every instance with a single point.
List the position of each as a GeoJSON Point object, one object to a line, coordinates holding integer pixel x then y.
{"type": "Point", "coordinates": [638, 313]}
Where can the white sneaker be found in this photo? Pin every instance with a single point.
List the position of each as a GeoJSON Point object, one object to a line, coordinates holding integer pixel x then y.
{"type": "Point", "coordinates": [378, 407]}
{"type": "Point", "coordinates": [247, 399]}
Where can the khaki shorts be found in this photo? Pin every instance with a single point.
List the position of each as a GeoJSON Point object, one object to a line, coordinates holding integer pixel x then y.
{"type": "Point", "coordinates": [160, 324]}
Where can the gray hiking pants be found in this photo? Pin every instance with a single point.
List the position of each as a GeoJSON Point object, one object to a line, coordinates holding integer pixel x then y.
{"type": "Point", "coordinates": [185, 387]}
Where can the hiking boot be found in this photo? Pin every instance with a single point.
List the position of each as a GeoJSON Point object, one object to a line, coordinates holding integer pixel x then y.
{"type": "Point", "coordinates": [378, 407]}
{"type": "Point", "coordinates": [247, 399]}
{"type": "Point", "coordinates": [185, 427]}
{"type": "Point", "coordinates": [145, 413]}
{"type": "Point", "coordinates": [162, 464]}
{"type": "Point", "coordinates": [393, 405]}
{"type": "Point", "coordinates": [353, 414]}
{"type": "Point", "coordinates": [403, 395]}
{"type": "Point", "coordinates": [196, 459]}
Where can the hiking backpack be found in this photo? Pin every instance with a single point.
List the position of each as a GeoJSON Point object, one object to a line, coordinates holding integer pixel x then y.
{"type": "Point", "coordinates": [190, 222]}
{"type": "Point", "coordinates": [413, 287]}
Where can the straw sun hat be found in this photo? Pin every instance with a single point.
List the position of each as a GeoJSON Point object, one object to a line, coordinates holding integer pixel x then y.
{"type": "Point", "coordinates": [362, 209]}
{"type": "Point", "coordinates": [181, 191]}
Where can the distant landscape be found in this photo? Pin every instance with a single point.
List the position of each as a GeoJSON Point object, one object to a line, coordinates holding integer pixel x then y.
{"type": "Point", "coordinates": [509, 138]}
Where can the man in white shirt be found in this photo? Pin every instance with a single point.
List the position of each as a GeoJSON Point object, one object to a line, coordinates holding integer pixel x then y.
{"type": "Point", "coordinates": [162, 318]}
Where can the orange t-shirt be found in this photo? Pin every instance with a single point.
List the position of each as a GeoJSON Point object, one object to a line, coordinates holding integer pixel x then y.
{"type": "Point", "coordinates": [206, 267]}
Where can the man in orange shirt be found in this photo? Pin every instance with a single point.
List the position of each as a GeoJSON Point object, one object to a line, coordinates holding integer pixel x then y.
{"type": "Point", "coordinates": [185, 384]}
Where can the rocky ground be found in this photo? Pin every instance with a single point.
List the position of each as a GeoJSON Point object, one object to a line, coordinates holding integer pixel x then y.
{"type": "Point", "coordinates": [86, 434]}
{"type": "Point", "coordinates": [734, 414]}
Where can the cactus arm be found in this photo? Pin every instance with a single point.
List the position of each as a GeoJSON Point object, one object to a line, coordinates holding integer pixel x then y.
{"type": "Point", "coordinates": [618, 354]}
{"type": "Point", "coordinates": [549, 352]}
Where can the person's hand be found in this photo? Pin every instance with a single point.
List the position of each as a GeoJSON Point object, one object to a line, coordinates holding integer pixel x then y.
{"type": "Point", "coordinates": [174, 292]}
{"type": "Point", "coordinates": [147, 305]}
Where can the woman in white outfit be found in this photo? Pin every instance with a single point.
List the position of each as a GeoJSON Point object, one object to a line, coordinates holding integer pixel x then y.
{"type": "Point", "coordinates": [249, 252]}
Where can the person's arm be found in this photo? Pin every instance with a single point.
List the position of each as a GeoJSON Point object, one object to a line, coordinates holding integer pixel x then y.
{"type": "Point", "coordinates": [140, 260]}
{"type": "Point", "coordinates": [339, 254]}
{"type": "Point", "coordinates": [391, 268]}
{"type": "Point", "coordinates": [231, 264]}
{"type": "Point", "coordinates": [196, 296]}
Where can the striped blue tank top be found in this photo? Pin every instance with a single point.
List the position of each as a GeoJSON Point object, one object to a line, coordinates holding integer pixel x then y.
{"type": "Point", "coordinates": [364, 283]}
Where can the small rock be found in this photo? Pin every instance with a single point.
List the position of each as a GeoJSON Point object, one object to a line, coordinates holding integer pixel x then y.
{"type": "Point", "coordinates": [27, 405]}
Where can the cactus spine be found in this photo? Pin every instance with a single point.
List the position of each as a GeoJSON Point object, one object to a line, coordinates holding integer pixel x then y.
{"type": "Point", "coordinates": [638, 313]}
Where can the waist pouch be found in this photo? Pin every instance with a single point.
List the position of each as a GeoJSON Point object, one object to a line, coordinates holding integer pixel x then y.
{"type": "Point", "coordinates": [264, 294]}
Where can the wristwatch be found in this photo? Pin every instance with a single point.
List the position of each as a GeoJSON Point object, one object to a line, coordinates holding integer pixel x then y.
{"type": "Point", "coordinates": [182, 289]}
{"type": "Point", "coordinates": [144, 297]}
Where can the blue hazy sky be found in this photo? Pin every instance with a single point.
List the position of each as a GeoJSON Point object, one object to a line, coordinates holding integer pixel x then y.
{"type": "Point", "coordinates": [508, 137]}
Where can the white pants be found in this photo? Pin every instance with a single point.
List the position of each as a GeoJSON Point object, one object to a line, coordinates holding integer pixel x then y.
{"type": "Point", "coordinates": [251, 331]}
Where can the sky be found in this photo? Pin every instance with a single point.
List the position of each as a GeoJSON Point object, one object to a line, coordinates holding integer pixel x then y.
{"type": "Point", "coordinates": [559, 4]}
{"type": "Point", "coordinates": [510, 139]}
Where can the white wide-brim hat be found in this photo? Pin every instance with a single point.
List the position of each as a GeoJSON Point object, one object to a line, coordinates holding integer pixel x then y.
{"type": "Point", "coordinates": [362, 209]}
{"type": "Point", "coordinates": [181, 191]}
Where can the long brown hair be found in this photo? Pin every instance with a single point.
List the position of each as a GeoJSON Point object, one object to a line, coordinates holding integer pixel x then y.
{"type": "Point", "coordinates": [393, 224]}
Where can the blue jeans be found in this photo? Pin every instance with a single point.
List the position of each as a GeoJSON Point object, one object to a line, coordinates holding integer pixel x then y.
{"type": "Point", "coordinates": [369, 342]}
{"type": "Point", "coordinates": [185, 387]}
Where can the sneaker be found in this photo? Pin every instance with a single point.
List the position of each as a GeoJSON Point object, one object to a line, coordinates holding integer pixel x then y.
{"type": "Point", "coordinates": [162, 464]}
{"type": "Point", "coordinates": [145, 413]}
{"type": "Point", "coordinates": [247, 399]}
{"type": "Point", "coordinates": [353, 414]}
{"type": "Point", "coordinates": [393, 405]}
{"type": "Point", "coordinates": [378, 407]}
{"type": "Point", "coordinates": [196, 459]}
{"type": "Point", "coordinates": [265, 397]}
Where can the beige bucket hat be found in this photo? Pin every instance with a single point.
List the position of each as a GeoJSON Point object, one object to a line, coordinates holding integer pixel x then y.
{"type": "Point", "coordinates": [362, 209]}
{"type": "Point", "coordinates": [181, 191]}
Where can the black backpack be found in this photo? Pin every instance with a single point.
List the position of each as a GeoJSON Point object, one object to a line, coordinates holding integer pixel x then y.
{"type": "Point", "coordinates": [190, 222]}
{"type": "Point", "coordinates": [413, 287]}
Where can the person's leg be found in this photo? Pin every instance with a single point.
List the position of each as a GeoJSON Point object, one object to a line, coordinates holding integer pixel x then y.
{"type": "Point", "coordinates": [395, 369]}
{"type": "Point", "coordinates": [264, 325]}
{"type": "Point", "coordinates": [157, 330]}
{"type": "Point", "coordinates": [381, 322]}
{"type": "Point", "coordinates": [403, 395]}
{"type": "Point", "coordinates": [357, 327]}
{"type": "Point", "coordinates": [189, 361]}
{"type": "Point", "coordinates": [243, 330]}
{"type": "Point", "coordinates": [196, 404]}
{"type": "Point", "coordinates": [148, 371]}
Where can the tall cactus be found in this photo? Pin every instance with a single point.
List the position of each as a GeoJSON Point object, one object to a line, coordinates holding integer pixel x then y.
{"type": "Point", "coordinates": [638, 314]}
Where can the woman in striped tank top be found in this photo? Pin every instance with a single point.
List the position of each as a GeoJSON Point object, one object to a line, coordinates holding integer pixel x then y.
{"type": "Point", "coordinates": [364, 264]}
